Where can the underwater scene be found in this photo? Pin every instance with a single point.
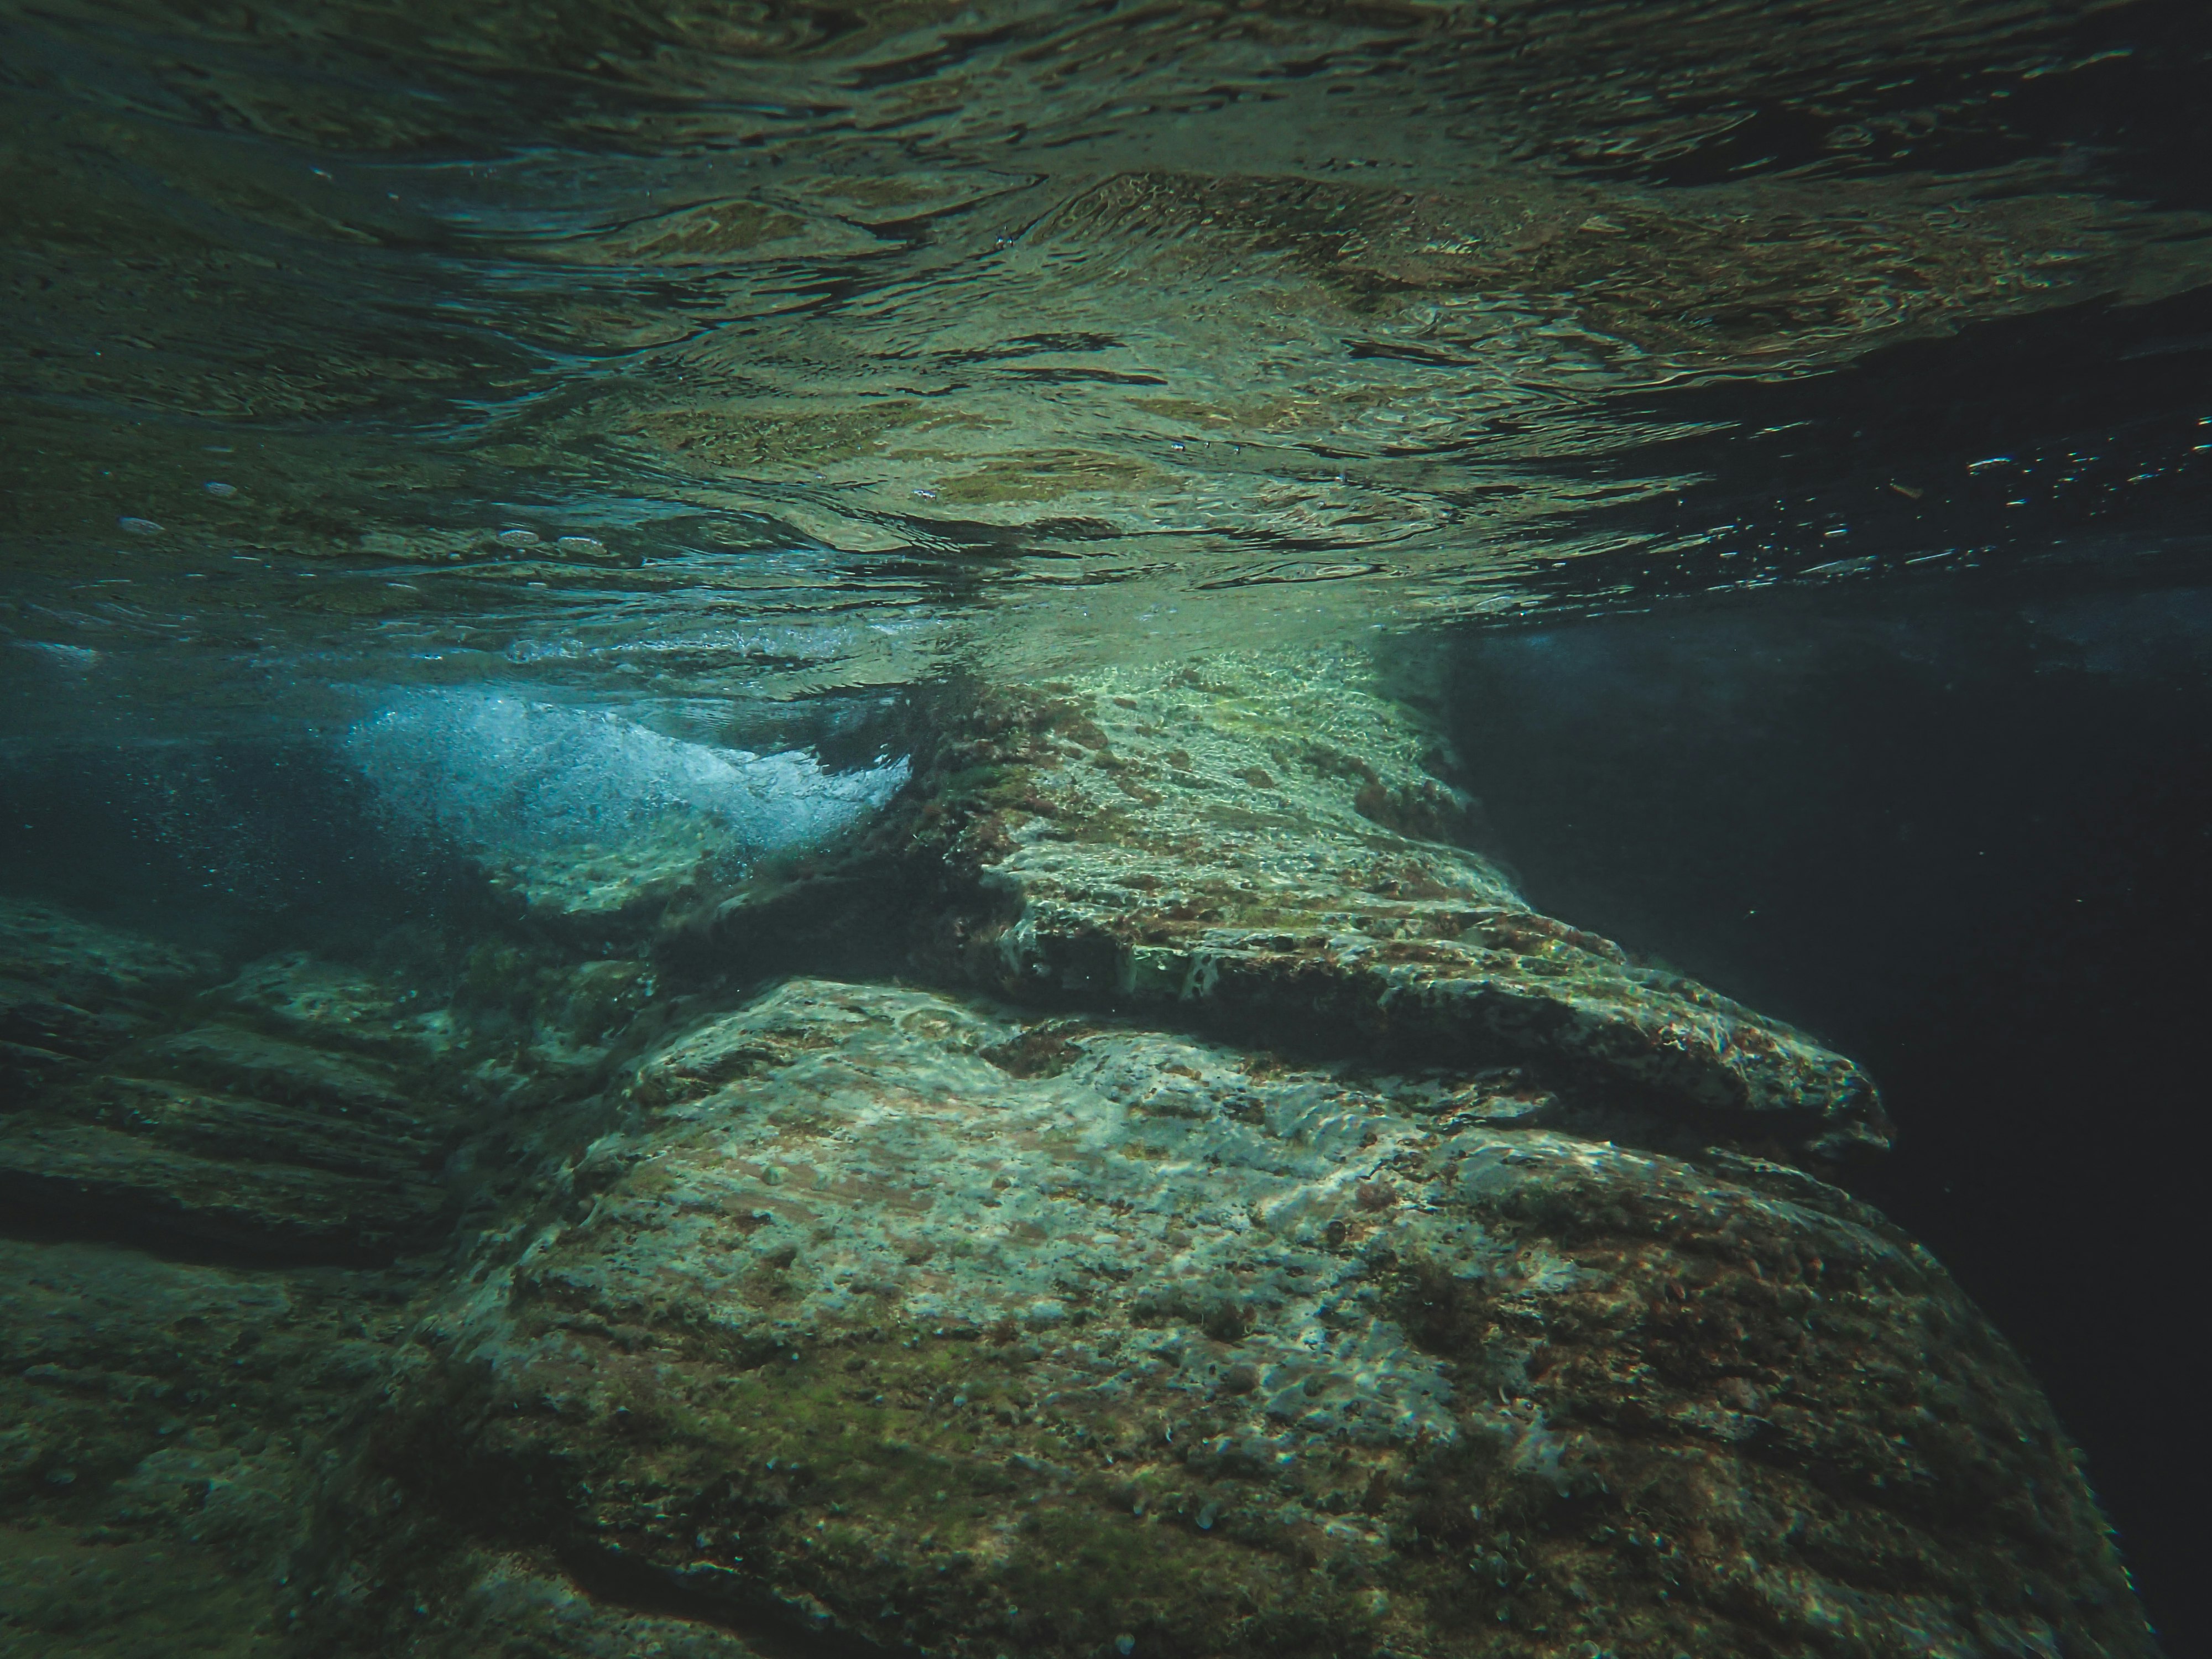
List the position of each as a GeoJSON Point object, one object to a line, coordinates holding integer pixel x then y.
{"type": "Point", "coordinates": [1104, 828]}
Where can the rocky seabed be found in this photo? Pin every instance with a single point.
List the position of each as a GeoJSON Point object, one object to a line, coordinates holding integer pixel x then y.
{"type": "Point", "coordinates": [1151, 1191]}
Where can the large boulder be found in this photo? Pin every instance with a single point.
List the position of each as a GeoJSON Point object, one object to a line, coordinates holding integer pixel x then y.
{"type": "Point", "coordinates": [917, 1323]}
{"type": "Point", "coordinates": [1154, 1190]}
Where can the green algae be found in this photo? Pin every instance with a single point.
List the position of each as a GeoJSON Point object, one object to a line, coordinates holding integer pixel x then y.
{"type": "Point", "coordinates": [65, 1598]}
{"type": "Point", "coordinates": [735, 1369]}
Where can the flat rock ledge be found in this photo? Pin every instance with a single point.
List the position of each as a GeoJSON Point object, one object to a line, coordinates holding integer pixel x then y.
{"type": "Point", "coordinates": [1262, 847]}
{"type": "Point", "coordinates": [894, 1323]}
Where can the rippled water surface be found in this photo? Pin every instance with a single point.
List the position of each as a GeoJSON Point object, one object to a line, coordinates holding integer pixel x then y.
{"type": "Point", "coordinates": [611, 404]}
{"type": "Point", "coordinates": [793, 342]}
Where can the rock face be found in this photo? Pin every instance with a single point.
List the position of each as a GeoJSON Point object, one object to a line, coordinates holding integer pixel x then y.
{"type": "Point", "coordinates": [280, 1114]}
{"type": "Point", "coordinates": [1257, 845]}
{"type": "Point", "coordinates": [1158, 1192]}
{"type": "Point", "coordinates": [165, 1427]}
{"type": "Point", "coordinates": [897, 1317]}
{"type": "Point", "coordinates": [70, 990]}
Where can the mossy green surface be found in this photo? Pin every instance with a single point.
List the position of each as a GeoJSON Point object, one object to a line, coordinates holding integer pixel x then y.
{"type": "Point", "coordinates": [864, 1333]}
{"type": "Point", "coordinates": [62, 1597]}
{"type": "Point", "coordinates": [1263, 845]}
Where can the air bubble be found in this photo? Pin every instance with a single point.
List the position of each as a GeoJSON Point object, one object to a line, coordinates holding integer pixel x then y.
{"type": "Point", "coordinates": [216, 487]}
{"type": "Point", "coordinates": [518, 539]}
{"type": "Point", "coordinates": [140, 526]}
{"type": "Point", "coordinates": [586, 545]}
{"type": "Point", "coordinates": [506, 769]}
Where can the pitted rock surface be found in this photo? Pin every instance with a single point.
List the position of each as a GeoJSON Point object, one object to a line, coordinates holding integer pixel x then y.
{"type": "Point", "coordinates": [889, 1318]}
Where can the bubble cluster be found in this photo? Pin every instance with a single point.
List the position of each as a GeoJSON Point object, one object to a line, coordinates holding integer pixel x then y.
{"type": "Point", "coordinates": [495, 767]}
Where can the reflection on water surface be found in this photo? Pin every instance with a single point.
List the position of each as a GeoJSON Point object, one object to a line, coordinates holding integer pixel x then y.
{"type": "Point", "coordinates": [974, 304]}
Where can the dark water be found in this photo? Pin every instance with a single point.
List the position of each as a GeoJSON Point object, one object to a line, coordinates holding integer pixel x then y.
{"type": "Point", "coordinates": [1790, 427]}
{"type": "Point", "coordinates": [1965, 838]}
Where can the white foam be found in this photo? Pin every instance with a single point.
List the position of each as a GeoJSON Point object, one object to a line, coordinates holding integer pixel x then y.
{"type": "Point", "coordinates": [498, 768]}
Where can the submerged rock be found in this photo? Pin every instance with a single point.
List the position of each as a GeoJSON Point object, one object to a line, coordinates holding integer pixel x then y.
{"type": "Point", "coordinates": [1154, 1189]}
{"type": "Point", "coordinates": [71, 989]}
{"type": "Point", "coordinates": [319, 1143]}
{"type": "Point", "coordinates": [1258, 846]}
{"type": "Point", "coordinates": [166, 1429]}
{"type": "Point", "coordinates": [890, 1314]}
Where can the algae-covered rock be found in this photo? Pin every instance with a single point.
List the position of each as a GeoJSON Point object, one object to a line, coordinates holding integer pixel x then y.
{"type": "Point", "coordinates": [165, 1429]}
{"type": "Point", "coordinates": [71, 989]}
{"type": "Point", "coordinates": [1157, 1189]}
{"type": "Point", "coordinates": [1259, 845]}
{"type": "Point", "coordinates": [305, 1122]}
{"type": "Point", "coordinates": [472, 1599]}
{"type": "Point", "coordinates": [891, 1318]}
{"type": "Point", "coordinates": [138, 1187]}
